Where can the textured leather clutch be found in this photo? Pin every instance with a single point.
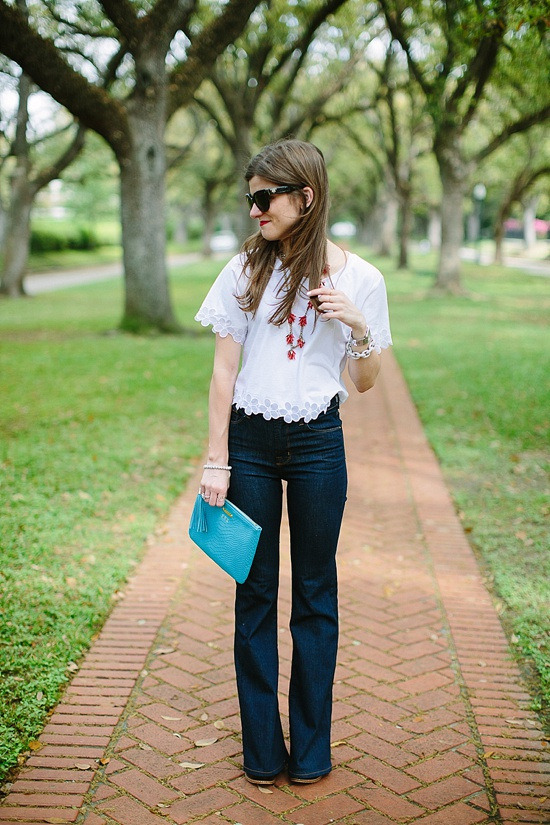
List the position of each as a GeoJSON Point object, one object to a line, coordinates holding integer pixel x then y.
{"type": "Point", "coordinates": [227, 535]}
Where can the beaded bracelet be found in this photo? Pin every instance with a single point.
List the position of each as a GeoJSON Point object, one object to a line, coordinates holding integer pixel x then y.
{"type": "Point", "coordinates": [216, 467]}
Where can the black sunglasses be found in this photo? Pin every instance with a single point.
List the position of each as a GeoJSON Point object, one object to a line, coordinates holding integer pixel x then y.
{"type": "Point", "coordinates": [262, 198]}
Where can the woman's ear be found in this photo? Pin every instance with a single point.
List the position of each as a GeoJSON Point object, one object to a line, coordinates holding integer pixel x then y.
{"type": "Point", "coordinates": [309, 195]}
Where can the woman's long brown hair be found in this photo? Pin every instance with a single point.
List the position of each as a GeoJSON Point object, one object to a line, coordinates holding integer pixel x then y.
{"type": "Point", "coordinates": [300, 163]}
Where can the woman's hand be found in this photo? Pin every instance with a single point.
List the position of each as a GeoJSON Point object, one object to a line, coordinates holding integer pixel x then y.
{"type": "Point", "coordinates": [214, 486]}
{"type": "Point", "coordinates": [335, 304]}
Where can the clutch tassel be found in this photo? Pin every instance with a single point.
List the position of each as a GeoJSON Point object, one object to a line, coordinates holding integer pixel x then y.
{"type": "Point", "coordinates": [198, 517]}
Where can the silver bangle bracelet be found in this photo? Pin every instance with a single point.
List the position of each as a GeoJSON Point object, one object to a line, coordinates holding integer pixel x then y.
{"type": "Point", "coordinates": [364, 354]}
{"type": "Point", "coordinates": [360, 342]}
{"type": "Point", "coordinates": [216, 467]}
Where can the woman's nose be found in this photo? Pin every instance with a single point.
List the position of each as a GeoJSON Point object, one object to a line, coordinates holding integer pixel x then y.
{"type": "Point", "coordinates": [255, 212]}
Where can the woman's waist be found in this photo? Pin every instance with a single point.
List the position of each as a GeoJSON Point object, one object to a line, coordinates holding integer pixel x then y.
{"type": "Point", "coordinates": [302, 408]}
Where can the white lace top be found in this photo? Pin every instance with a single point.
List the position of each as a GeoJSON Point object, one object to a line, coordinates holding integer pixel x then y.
{"type": "Point", "coordinates": [292, 371]}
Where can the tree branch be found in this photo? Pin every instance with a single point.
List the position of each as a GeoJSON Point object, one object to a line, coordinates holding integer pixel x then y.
{"type": "Point", "coordinates": [164, 20]}
{"type": "Point", "coordinates": [39, 58]}
{"type": "Point", "coordinates": [520, 125]}
{"type": "Point", "coordinates": [123, 14]}
{"type": "Point", "coordinates": [54, 171]}
{"type": "Point", "coordinates": [397, 31]}
{"type": "Point", "coordinates": [213, 115]}
{"type": "Point", "coordinates": [479, 71]}
{"type": "Point", "coordinates": [205, 49]}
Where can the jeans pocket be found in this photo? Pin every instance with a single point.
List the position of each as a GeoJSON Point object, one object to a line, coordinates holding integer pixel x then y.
{"type": "Point", "coordinates": [237, 415]}
{"type": "Point", "coordinates": [327, 422]}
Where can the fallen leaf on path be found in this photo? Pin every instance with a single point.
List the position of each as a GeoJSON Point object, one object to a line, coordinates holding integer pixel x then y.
{"type": "Point", "coordinates": [83, 766]}
{"type": "Point", "coordinates": [172, 718]}
{"type": "Point", "coordinates": [192, 765]}
{"type": "Point", "coordinates": [263, 789]}
{"type": "Point", "coordinates": [203, 743]}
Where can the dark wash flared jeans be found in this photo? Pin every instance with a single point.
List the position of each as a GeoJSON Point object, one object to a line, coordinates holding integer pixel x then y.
{"type": "Point", "coordinates": [310, 458]}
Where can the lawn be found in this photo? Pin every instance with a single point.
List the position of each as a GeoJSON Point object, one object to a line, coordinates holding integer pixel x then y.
{"type": "Point", "coordinates": [478, 368]}
{"type": "Point", "coordinates": [99, 432]}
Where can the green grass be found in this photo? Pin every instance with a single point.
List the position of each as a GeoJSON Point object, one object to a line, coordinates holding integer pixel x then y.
{"type": "Point", "coordinates": [478, 368]}
{"type": "Point", "coordinates": [99, 432]}
{"type": "Point", "coordinates": [98, 435]}
{"type": "Point", "coordinates": [73, 258]}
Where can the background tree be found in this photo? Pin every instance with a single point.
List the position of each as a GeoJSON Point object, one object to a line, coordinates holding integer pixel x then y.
{"type": "Point", "coordinates": [123, 68]}
{"type": "Point", "coordinates": [283, 74]}
{"type": "Point", "coordinates": [517, 172]}
{"type": "Point", "coordinates": [27, 170]}
{"type": "Point", "coordinates": [397, 126]}
{"type": "Point", "coordinates": [201, 173]}
{"type": "Point", "coordinates": [457, 53]}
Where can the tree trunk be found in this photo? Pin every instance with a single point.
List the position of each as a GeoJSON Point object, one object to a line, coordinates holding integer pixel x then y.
{"type": "Point", "coordinates": [529, 215]}
{"type": "Point", "coordinates": [16, 246]}
{"type": "Point", "coordinates": [453, 171]}
{"type": "Point", "coordinates": [499, 241]}
{"type": "Point", "coordinates": [405, 211]}
{"type": "Point", "coordinates": [209, 215]}
{"type": "Point", "coordinates": [3, 224]}
{"type": "Point", "coordinates": [434, 228]}
{"type": "Point", "coordinates": [387, 211]}
{"type": "Point", "coordinates": [142, 174]}
{"type": "Point", "coordinates": [242, 152]}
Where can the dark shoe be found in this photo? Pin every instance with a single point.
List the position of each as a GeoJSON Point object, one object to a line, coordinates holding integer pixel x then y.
{"type": "Point", "coordinates": [255, 781]}
{"type": "Point", "coordinates": [299, 781]}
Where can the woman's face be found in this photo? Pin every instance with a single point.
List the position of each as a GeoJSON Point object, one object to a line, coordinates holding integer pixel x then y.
{"type": "Point", "coordinates": [284, 210]}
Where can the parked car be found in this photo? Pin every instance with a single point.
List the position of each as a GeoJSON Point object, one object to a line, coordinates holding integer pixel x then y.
{"type": "Point", "coordinates": [343, 229]}
{"type": "Point", "coordinates": [223, 242]}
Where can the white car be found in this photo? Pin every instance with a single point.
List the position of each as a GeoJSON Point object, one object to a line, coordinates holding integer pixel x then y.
{"type": "Point", "coordinates": [343, 229]}
{"type": "Point", "coordinates": [223, 242]}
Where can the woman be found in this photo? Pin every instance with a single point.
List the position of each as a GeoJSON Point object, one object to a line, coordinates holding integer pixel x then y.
{"type": "Point", "coordinates": [297, 309]}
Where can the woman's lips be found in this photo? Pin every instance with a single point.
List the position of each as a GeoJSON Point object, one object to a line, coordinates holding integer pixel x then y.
{"type": "Point", "coordinates": [263, 223]}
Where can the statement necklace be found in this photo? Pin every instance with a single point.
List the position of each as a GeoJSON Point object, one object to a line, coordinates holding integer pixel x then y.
{"type": "Point", "coordinates": [297, 342]}
{"type": "Point", "coordinates": [293, 342]}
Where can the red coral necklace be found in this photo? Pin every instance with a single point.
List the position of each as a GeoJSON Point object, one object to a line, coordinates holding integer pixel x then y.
{"type": "Point", "coordinates": [297, 342]}
{"type": "Point", "coordinates": [293, 342]}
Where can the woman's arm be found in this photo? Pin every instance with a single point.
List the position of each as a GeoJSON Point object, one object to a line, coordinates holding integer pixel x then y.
{"type": "Point", "coordinates": [335, 304]}
{"type": "Point", "coordinates": [215, 483]}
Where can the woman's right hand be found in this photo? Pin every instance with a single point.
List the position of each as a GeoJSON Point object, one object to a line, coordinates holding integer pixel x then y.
{"type": "Point", "coordinates": [214, 486]}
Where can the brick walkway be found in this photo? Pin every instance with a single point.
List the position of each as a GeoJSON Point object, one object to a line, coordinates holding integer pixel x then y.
{"type": "Point", "coordinates": [431, 720]}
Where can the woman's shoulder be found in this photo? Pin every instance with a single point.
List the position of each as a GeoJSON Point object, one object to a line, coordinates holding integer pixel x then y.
{"type": "Point", "coordinates": [234, 269]}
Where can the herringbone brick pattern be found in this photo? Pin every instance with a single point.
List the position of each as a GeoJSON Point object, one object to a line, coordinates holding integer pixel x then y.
{"type": "Point", "coordinates": [431, 720]}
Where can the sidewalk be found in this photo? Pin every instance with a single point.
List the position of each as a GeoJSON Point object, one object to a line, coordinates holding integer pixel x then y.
{"type": "Point", "coordinates": [431, 720]}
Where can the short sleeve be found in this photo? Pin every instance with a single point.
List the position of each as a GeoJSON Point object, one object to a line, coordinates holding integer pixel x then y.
{"type": "Point", "coordinates": [372, 300]}
{"type": "Point", "coordinates": [220, 309]}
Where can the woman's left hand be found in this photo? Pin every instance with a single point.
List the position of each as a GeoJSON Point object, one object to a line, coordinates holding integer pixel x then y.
{"type": "Point", "coordinates": [336, 304]}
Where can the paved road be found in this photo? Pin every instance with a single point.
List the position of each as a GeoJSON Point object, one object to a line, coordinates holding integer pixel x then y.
{"type": "Point", "coordinates": [432, 723]}
{"type": "Point", "coordinates": [50, 281]}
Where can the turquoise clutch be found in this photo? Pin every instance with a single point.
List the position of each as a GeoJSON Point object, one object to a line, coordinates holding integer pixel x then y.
{"type": "Point", "coordinates": [227, 535]}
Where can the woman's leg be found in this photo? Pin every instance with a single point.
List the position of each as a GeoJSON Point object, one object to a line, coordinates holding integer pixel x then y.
{"type": "Point", "coordinates": [316, 497]}
{"type": "Point", "coordinates": [256, 489]}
